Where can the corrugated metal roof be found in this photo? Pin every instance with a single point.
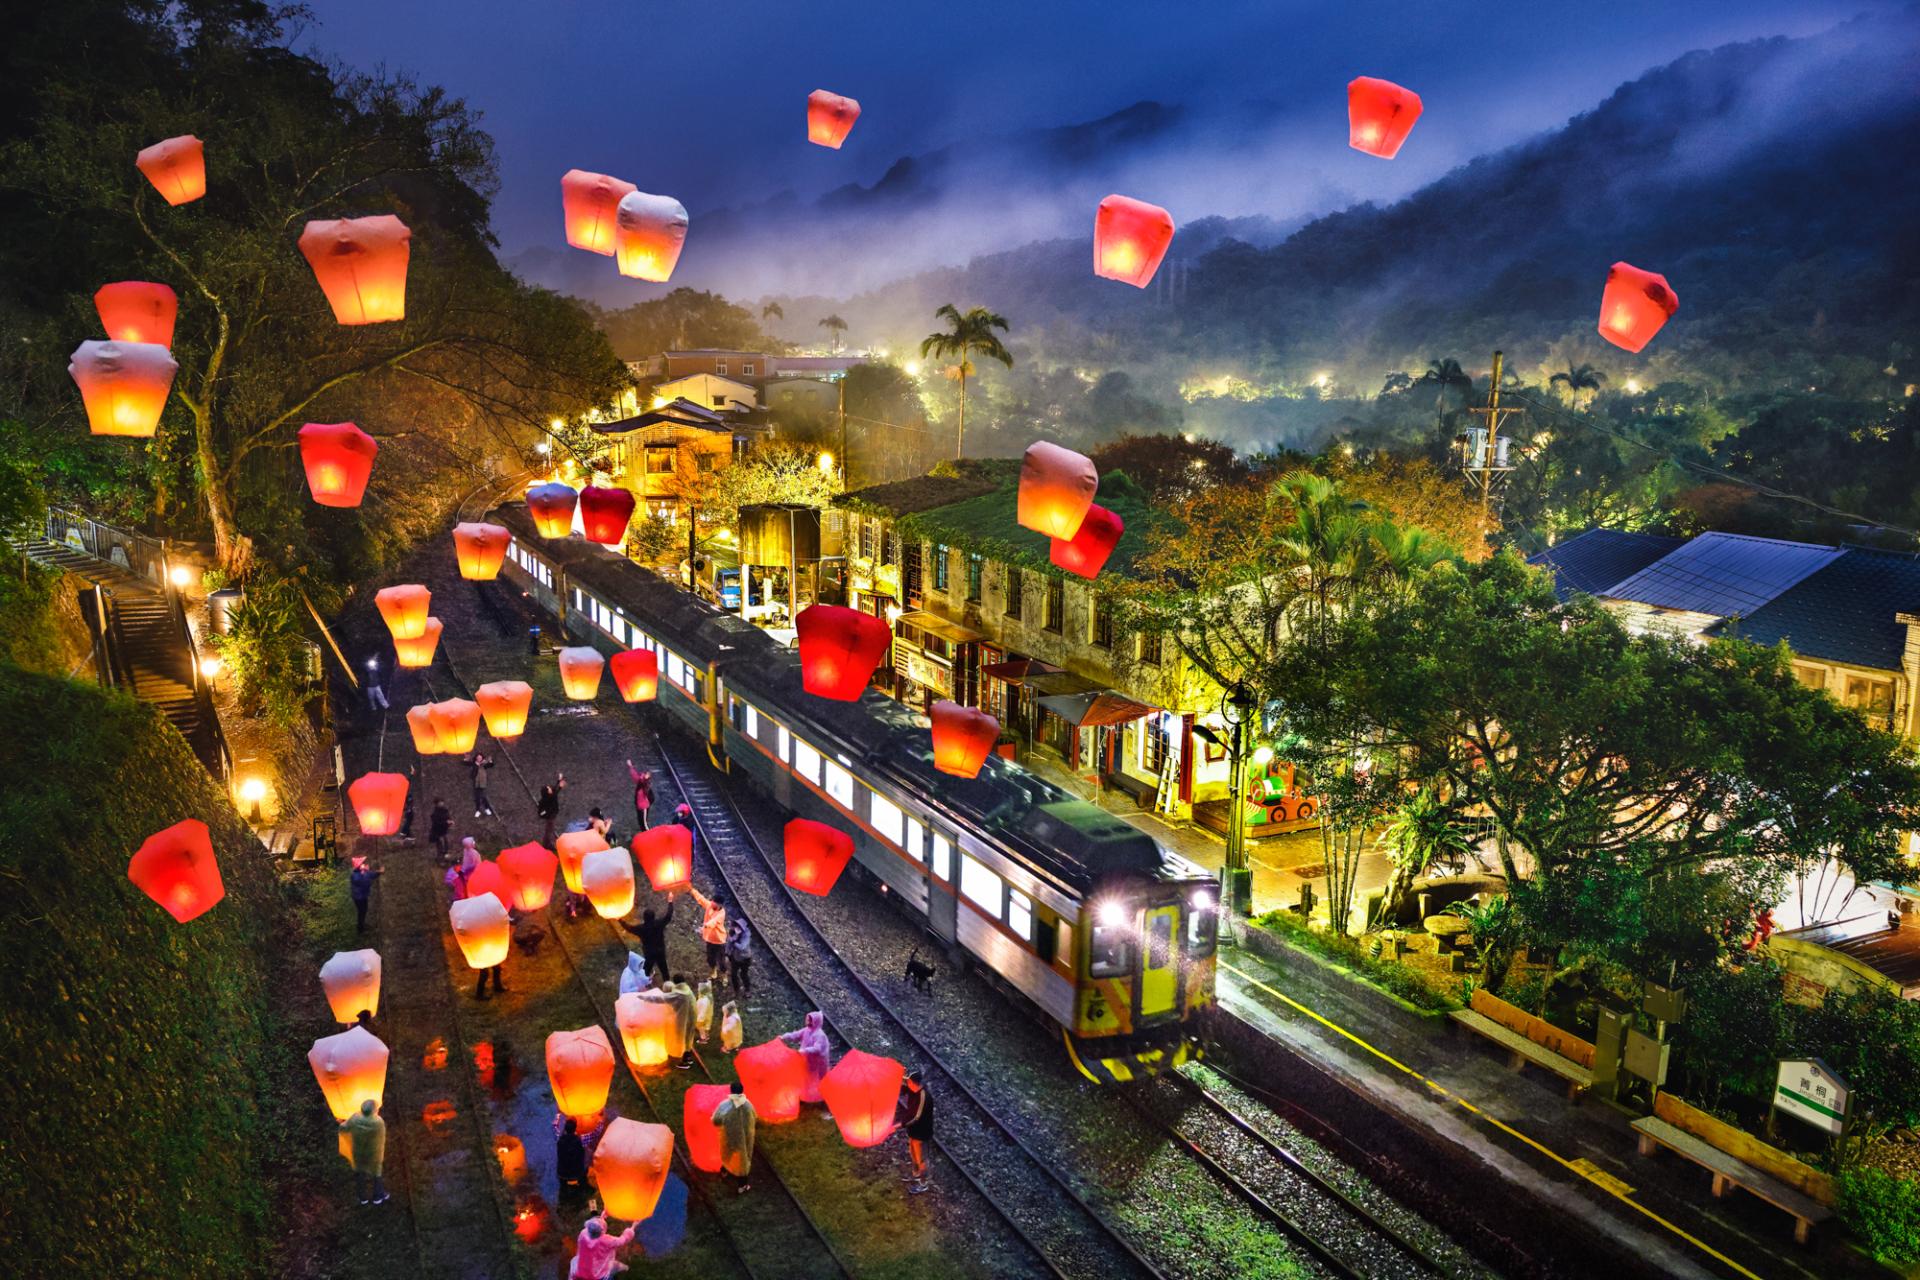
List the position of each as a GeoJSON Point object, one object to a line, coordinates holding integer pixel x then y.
{"type": "Point", "coordinates": [1722, 574]}
{"type": "Point", "coordinates": [1592, 561]}
{"type": "Point", "coordinates": [1843, 612]}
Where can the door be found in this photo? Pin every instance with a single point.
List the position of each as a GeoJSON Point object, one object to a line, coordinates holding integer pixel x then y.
{"type": "Point", "coordinates": [1159, 987]}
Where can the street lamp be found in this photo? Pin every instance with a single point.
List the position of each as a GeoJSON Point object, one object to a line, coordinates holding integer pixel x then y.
{"type": "Point", "coordinates": [913, 368]}
{"type": "Point", "coordinates": [252, 792]}
{"type": "Point", "coordinates": [1236, 879]}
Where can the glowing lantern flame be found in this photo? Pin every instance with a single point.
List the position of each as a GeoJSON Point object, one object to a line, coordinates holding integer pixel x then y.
{"type": "Point", "coordinates": [862, 1091]}
{"type": "Point", "coordinates": [630, 1164]}
{"type": "Point", "coordinates": [604, 515]}
{"type": "Point", "coordinates": [177, 869]}
{"type": "Point", "coordinates": [419, 651]}
{"type": "Point", "coordinates": [551, 506]}
{"type": "Point", "coordinates": [772, 1074]}
{"type": "Point", "coordinates": [1056, 489]}
{"type": "Point", "coordinates": [351, 980]}
{"type": "Point", "coordinates": [1130, 237]}
{"type": "Point", "coordinates": [1087, 551]}
{"type": "Point", "coordinates": [573, 848]}
{"type": "Point", "coordinates": [482, 928]}
{"type": "Point", "coordinates": [124, 385]}
{"type": "Point", "coordinates": [1380, 115]}
{"type": "Point", "coordinates": [338, 457]}
{"type": "Point", "coordinates": [529, 871]}
{"type": "Point", "coordinates": [137, 311]}
{"type": "Point", "coordinates": [177, 168]}
{"type": "Point", "coordinates": [962, 737]}
{"type": "Point", "coordinates": [606, 877]}
{"type": "Point", "coordinates": [405, 609]}
{"type": "Point", "coordinates": [830, 118]}
{"type": "Point", "coordinates": [649, 234]}
{"type": "Point", "coordinates": [361, 264]}
{"type": "Point", "coordinates": [580, 1070]}
{"type": "Point", "coordinates": [481, 550]}
{"type": "Point", "coordinates": [666, 854]}
{"type": "Point", "coordinates": [351, 1067]}
{"type": "Point", "coordinates": [816, 855]}
{"type": "Point", "coordinates": [580, 667]}
{"type": "Point", "coordinates": [1634, 306]}
{"type": "Point", "coordinates": [378, 800]}
{"type": "Point", "coordinates": [505, 704]}
{"type": "Point", "coordinates": [839, 648]}
{"type": "Point", "coordinates": [636, 673]}
{"type": "Point", "coordinates": [426, 738]}
{"type": "Point", "coordinates": [646, 1029]}
{"type": "Point", "coordinates": [696, 1123]}
{"type": "Point", "coordinates": [588, 202]}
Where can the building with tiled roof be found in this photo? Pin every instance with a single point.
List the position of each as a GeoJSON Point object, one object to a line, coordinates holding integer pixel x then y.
{"type": "Point", "coordinates": [1591, 562]}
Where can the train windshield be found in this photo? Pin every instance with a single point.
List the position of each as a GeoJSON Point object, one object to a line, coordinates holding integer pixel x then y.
{"type": "Point", "coordinates": [1203, 931]}
{"type": "Point", "coordinates": [1110, 949]}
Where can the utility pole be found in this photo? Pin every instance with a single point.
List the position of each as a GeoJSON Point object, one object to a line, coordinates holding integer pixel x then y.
{"type": "Point", "coordinates": [846, 463]}
{"type": "Point", "coordinates": [1484, 451]}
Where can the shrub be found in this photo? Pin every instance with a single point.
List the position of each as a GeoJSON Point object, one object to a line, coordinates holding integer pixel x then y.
{"type": "Point", "coordinates": [1407, 983]}
{"type": "Point", "coordinates": [265, 647]}
{"type": "Point", "coordinates": [1883, 1212]}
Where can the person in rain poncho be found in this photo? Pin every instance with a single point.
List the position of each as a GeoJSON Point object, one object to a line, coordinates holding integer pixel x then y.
{"type": "Point", "coordinates": [703, 1011]}
{"type": "Point", "coordinates": [367, 1143]}
{"type": "Point", "coordinates": [642, 794]}
{"type": "Point", "coordinates": [683, 1020]}
{"type": "Point", "coordinates": [634, 977]}
{"type": "Point", "coordinates": [811, 1041]}
{"type": "Point", "coordinates": [713, 931]}
{"type": "Point", "coordinates": [732, 1034]}
{"type": "Point", "coordinates": [736, 1120]}
{"type": "Point", "coordinates": [469, 863]}
{"type": "Point", "coordinates": [594, 1251]}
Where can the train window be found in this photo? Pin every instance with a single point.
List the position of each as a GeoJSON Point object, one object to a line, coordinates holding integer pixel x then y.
{"type": "Point", "coordinates": [885, 817]}
{"type": "Point", "coordinates": [915, 844]}
{"type": "Point", "coordinates": [1159, 940]}
{"type": "Point", "coordinates": [753, 720]}
{"type": "Point", "coordinates": [806, 761]}
{"type": "Point", "coordinates": [1065, 947]}
{"type": "Point", "coordinates": [840, 786]}
{"type": "Point", "coordinates": [1203, 931]}
{"type": "Point", "coordinates": [942, 856]}
{"type": "Point", "coordinates": [1020, 913]}
{"type": "Point", "coordinates": [1110, 950]}
{"type": "Point", "coordinates": [981, 885]}
{"type": "Point", "coordinates": [781, 735]}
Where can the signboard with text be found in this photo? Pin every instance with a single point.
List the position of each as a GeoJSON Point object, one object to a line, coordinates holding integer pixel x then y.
{"type": "Point", "coordinates": [1808, 1089]}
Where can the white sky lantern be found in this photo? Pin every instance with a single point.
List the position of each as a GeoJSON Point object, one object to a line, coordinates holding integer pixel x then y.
{"type": "Point", "coordinates": [352, 983]}
{"type": "Point", "coordinates": [649, 233]}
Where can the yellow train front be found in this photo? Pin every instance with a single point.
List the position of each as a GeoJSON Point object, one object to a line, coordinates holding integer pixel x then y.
{"type": "Point", "coordinates": [1144, 975]}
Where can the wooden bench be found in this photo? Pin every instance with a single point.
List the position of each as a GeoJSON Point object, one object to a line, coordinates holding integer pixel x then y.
{"type": "Point", "coordinates": [1729, 1170]}
{"type": "Point", "coordinates": [1579, 1078]}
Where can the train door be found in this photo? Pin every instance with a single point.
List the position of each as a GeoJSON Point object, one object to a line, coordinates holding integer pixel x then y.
{"type": "Point", "coordinates": [942, 905]}
{"type": "Point", "coordinates": [1158, 991]}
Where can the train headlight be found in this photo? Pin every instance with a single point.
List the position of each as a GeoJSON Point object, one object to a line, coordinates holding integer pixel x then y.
{"type": "Point", "coordinates": [1203, 901]}
{"type": "Point", "coordinates": [1110, 914]}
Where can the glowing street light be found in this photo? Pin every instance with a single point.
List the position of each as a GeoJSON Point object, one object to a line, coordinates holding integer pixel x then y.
{"type": "Point", "coordinates": [826, 463]}
{"type": "Point", "coordinates": [252, 792]}
{"type": "Point", "coordinates": [1633, 386]}
{"type": "Point", "coordinates": [913, 368]}
{"type": "Point", "coordinates": [210, 667]}
{"type": "Point", "coordinates": [1261, 755]}
{"type": "Point", "coordinates": [179, 575]}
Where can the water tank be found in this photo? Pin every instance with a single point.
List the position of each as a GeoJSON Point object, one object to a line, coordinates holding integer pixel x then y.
{"type": "Point", "coordinates": [220, 605]}
{"type": "Point", "coordinates": [779, 533]}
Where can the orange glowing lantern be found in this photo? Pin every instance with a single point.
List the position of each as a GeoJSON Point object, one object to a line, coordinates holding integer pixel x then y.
{"type": "Point", "coordinates": [457, 721]}
{"type": "Point", "coordinates": [573, 848]}
{"type": "Point", "coordinates": [606, 877]}
{"type": "Point", "coordinates": [124, 385]}
{"type": "Point", "coordinates": [630, 1164]}
{"type": "Point", "coordinates": [1056, 489]}
{"type": "Point", "coordinates": [580, 1069]}
{"type": "Point", "coordinates": [647, 1029]}
{"type": "Point", "coordinates": [351, 980]}
{"type": "Point", "coordinates": [482, 549]}
{"type": "Point", "coordinates": [604, 514]}
{"type": "Point", "coordinates": [405, 609]}
{"type": "Point", "coordinates": [1087, 551]}
{"type": "Point", "coordinates": [361, 264]}
{"type": "Point", "coordinates": [648, 234]}
{"type": "Point", "coordinates": [505, 704]}
{"type": "Point", "coordinates": [962, 736]}
{"type": "Point", "coordinates": [830, 118]}
{"type": "Point", "coordinates": [351, 1067]}
{"type": "Point", "coordinates": [529, 871]}
{"type": "Point", "coordinates": [419, 651]}
{"type": "Point", "coordinates": [1130, 237]}
{"type": "Point", "coordinates": [636, 674]}
{"type": "Point", "coordinates": [1634, 306]}
{"type": "Point", "coordinates": [426, 739]}
{"type": "Point", "coordinates": [666, 854]}
{"type": "Point", "coordinates": [177, 168]}
{"type": "Point", "coordinates": [839, 648]}
{"type": "Point", "coordinates": [378, 801]}
{"type": "Point", "coordinates": [137, 311]}
{"type": "Point", "coordinates": [551, 506]}
{"type": "Point", "coordinates": [588, 202]}
{"type": "Point", "coordinates": [696, 1123]}
{"type": "Point", "coordinates": [489, 879]}
{"type": "Point", "coordinates": [1380, 115]}
{"type": "Point", "coordinates": [580, 667]}
{"type": "Point", "coordinates": [861, 1091]}
{"type": "Point", "coordinates": [482, 928]}
{"type": "Point", "coordinates": [772, 1074]}
{"type": "Point", "coordinates": [338, 457]}
{"type": "Point", "coordinates": [177, 869]}
{"type": "Point", "coordinates": [816, 855]}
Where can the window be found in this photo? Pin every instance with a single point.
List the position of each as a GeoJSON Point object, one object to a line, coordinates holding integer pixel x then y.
{"type": "Point", "coordinates": [1872, 697]}
{"type": "Point", "coordinates": [1110, 950]}
{"type": "Point", "coordinates": [1102, 624]}
{"type": "Point", "coordinates": [1153, 746]}
{"type": "Point", "coordinates": [1160, 940]}
{"type": "Point", "coordinates": [1055, 617]}
{"type": "Point", "coordinates": [884, 816]}
{"type": "Point", "coordinates": [840, 785]}
{"type": "Point", "coordinates": [975, 569]}
{"type": "Point", "coordinates": [781, 737]}
{"type": "Point", "coordinates": [747, 368]}
{"type": "Point", "coordinates": [1016, 583]}
{"type": "Point", "coordinates": [866, 539]}
{"type": "Point", "coordinates": [806, 761]}
{"type": "Point", "coordinates": [720, 402]}
{"type": "Point", "coordinates": [704, 461]}
{"type": "Point", "coordinates": [1809, 675]}
{"type": "Point", "coordinates": [980, 886]}
{"type": "Point", "coordinates": [720, 367]}
{"type": "Point", "coordinates": [939, 567]}
{"type": "Point", "coordinates": [1020, 914]}
{"type": "Point", "coordinates": [1203, 931]}
{"type": "Point", "coordinates": [916, 842]}
{"type": "Point", "coordinates": [1065, 944]}
{"type": "Point", "coordinates": [1151, 648]}
{"type": "Point", "coordinates": [942, 856]}
{"type": "Point", "coordinates": [659, 459]}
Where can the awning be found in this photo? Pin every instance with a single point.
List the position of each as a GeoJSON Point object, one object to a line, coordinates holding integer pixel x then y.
{"type": "Point", "coordinates": [1096, 708]}
{"type": "Point", "coordinates": [1056, 683]}
{"type": "Point", "coordinates": [935, 625]}
{"type": "Point", "coordinates": [1019, 670]}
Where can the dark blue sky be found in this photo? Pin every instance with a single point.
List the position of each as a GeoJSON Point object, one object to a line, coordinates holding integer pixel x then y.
{"type": "Point", "coordinates": [704, 99]}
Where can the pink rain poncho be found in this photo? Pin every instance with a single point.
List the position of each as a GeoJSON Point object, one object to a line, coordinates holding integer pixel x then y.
{"type": "Point", "coordinates": [811, 1041]}
{"type": "Point", "coordinates": [594, 1255]}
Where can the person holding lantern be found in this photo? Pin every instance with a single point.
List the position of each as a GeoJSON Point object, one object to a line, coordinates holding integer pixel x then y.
{"type": "Point", "coordinates": [812, 1044]}
{"type": "Point", "coordinates": [547, 808]}
{"type": "Point", "coordinates": [914, 1114]}
{"type": "Point", "coordinates": [457, 875]}
{"type": "Point", "coordinates": [479, 765]}
{"type": "Point", "coordinates": [633, 978]}
{"type": "Point", "coordinates": [360, 889]}
{"type": "Point", "coordinates": [652, 932]}
{"type": "Point", "coordinates": [595, 1252]}
{"type": "Point", "coordinates": [737, 1122]}
{"type": "Point", "coordinates": [367, 1144]}
{"type": "Point", "coordinates": [682, 997]}
{"type": "Point", "coordinates": [570, 1163]}
{"type": "Point", "coordinates": [713, 931]}
{"type": "Point", "coordinates": [739, 956]}
{"type": "Point", "coordinates": [642, 794]}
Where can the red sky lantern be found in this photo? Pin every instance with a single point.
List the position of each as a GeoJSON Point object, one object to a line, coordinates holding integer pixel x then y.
{"type": "Point", "coordinates": [647, 1027]}
{"type": "Point", "coordinates": [630, 1164]}
{"type": "Point", "coordinates": [1380, 115]}
{"type": "Point", "coordinates": [696, 1123]}
{"type": "Point", "coordinates": [551, 506]}
{"type": "Point", "coordinates": [839, 648]}
{"type": "Point", "coordinates": [573, 848]}
{"type": "Point", "coordinates": [588, 202]}
{"type": "Point", "coordinates": [124, 385]}
{"type": "Point", "coordinates": [1087, 550]}
{"type": "Point", "coordinates": [505, 704]}
{"type": "Point", "coordinates": [338, 457]}
{"type": "Point", "coordinates": [830, 118]}
{"type": "Point", "coordinates": [529, 871]}
{"type": "Point", "coordinates": [481, 549]}
{"type": "Point", "coordinates": [361, 264]}
{"type": "Point", "coordinates": [772, 1074]}
{"type": "Point", "coordinates": [861, 1091]}
{"type": "Point", "coordinates": [482, 928]}
{"type": "Point", "coordinates": [351, 980]}
{"type": "Point", "coordinates": [426, 738]}
{"type": "Point", "coordinates": [177, 869]}
{"type": "Point", "coordinates": [1130, 237]}
{"type": "Point", "coordinates": [580, 1069]}
{"type": "Point", "coordinates": [457, 721]}
{"type": "Point", "coordinates": [1634, 305]}
{"type": "Point", "coordinates": [636, 673]}
{"type": "Point", "coordinates": [606, 877]}
{"type": "Point", "coordinates": [666, 854]}
{"type": "Point", "coordinates": [580, 667]}
{"type": "Point", "coordinates": [1056, 489]}
{"type": "Point", "coordinates": [405, 609]}
{"type": "Point", "coordinates": [378, 800]}
{"type": "Point", "coordinates": [816, 855]}
{"type": "Point", "coordinates": [604, 513]}
{"type": "Point", "coordinates": [489, 879]}
{"type": "Point", "coordinates": [137, 311]}
{"type": "Point", "coordinates": [351, 1067]}
{"type": "Point", "coordinates": [419, 651]}
{"type": "Point", "coordinates": [648, 235]}
{"type": "Point", "coordinates": [962, 736]}
{"type": "Point", "coordinates": [177, 168]}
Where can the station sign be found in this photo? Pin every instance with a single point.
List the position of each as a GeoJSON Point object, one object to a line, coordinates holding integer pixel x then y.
{"type": "Point", "coordinates": [1808, 1089]}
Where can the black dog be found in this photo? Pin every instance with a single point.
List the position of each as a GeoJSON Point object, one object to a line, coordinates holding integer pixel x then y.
{"type": "Point", "coordinates": [920, 973]}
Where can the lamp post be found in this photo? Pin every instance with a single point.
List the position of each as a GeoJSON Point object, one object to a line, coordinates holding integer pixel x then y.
{"type": "Point", "coordinates": [1236, 878]}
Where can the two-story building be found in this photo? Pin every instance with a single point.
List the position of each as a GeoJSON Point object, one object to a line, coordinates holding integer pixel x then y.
{"type": "Point", "coordinates": [663, 456]}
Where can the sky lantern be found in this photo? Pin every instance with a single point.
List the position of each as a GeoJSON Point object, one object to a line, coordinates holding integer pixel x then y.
{"type": "Point", "coordinates": [606, 877]}
{"type": "Point", "coordinates": [351, 1067]}
{"type": "Point", "coordinates": [405, 609]}
{"type": "Point", "coordinates": [839, 648]}
{"type": "Point", "coordinates": [604, 514]}
{"type": "Point", "coordinates": [636, 674]}
{"type": "Point", "coordinates": [419, 651]}
{"type": "Point", "coordinates": [378, 799]}
{"type": "Point", "coordinates": [482, 928]}
{"type": "Point", "coordinates": [580, 1069]}
{"type": "Point", "coordinates": [177, 869]}
{"type": "Point", "coordinates": [1130, 237]}
{"type": "Point", "coordinates": [772, 1074]}
{"type": "Point", "coordinates": [351, 980]}
{"type": "Point", "coordinates": [338, 457]}
{"type": "Point", "coordinates": [481, 548]}
{"type": "Point", "coordinates": [573, 848]}
{"type": "Point", "coordinates": [666, 854]}
{"type": "Point", "coordinates": [529, 871]}
{"type": "Point", "coordinates": [648, 235]}
{"type": "Point", "coordinates": [1380, 115]}
{"type": "Point", "coordinates": [816, 855]}
{"type": "Point", "coordinates": [1634, 305]}
{"type": "Point", "coordinates": [830, 118]}
{"type": "Point", "coordinates": [1056, 489]}
{"type": "Point", "coordinates": [505, 704]}
{"type": "Point", "coordinates": [426, 738]}
{"type": "Point", "coordinates": [124, 385]}
{"type": "Point", "coordinates": [588, 202]}
{"type": "Point", "coordinates": [361, 264]}
{"type": "Point", "coordinates": [696, 1124]}
{"type": "Point", "coordinates": [861, 1091]}
{"type": "Point", "coordinates": [647, 1029]}
{"type": "Point", "coordinates": [177, 168]}
{"type": "Point", "coordinates": [962, 736]}
{"type": "Point", "coordinates": [580, 667]}
{"type": "Point", "coordinates": [457, 721]}
{"type": "Point", "coordinates": [630, 1164]}
{"type": "Point", "coordinates": [137, 311]}
{"type": "Point", "coordinates": [551, 506]}
{"type": "Point", "coordinates": [1087, 550]}
{"type": "Point", "coordinates": [488, 878]}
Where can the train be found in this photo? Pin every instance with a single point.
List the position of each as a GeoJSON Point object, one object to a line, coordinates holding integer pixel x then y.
{"type": "Point", "coordinates": [1103, 931]}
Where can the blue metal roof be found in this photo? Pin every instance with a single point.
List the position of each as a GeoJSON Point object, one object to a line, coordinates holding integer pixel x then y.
{"type": "Point", "coordinates": [1844, 612]}
{"type": "Point", "coordinates": [1591, 562]}
{"type": "Point", "coordinates": [1723, 574]}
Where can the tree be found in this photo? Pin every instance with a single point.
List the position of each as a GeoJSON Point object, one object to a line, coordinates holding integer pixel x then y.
{"type": "Point", "coordinates": [1172, 468]}
{"type": "Point", "coordinates": [774, 472]}
{"type": "Point", "coordinates": [770, 312]}
{"type": "Point", "coordinates": [834, 326]}
{"type": "Point", "coordinates": [1413, 493]}
{"type": "Point", "coordinates": [1581, 383]}
{"type": "Point", "coordinates": [887, 435]}
{"type": "Point", "coordinates": [968, 334]}
{"type": "Point", "coordinates": [685, 318]}
{"type": "Point", "coordinates": [1446, 377]}
{"type": "Point", "coordinates": [1423, 833]}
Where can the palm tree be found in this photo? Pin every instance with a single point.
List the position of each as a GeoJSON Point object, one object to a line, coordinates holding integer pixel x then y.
{"type": "Point", "coordinates": [1425, 833]}
{"type": "Point", "coordinates": [970, 333]}
{"type": "Point", "coordinates": [772, 311]}
{"type": "Point", "coordinates": [1582, 382]}
{"type": "Point", "coordinates": [835, 326]}
{"type": "Point", "coordinates": [1442, 374]}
